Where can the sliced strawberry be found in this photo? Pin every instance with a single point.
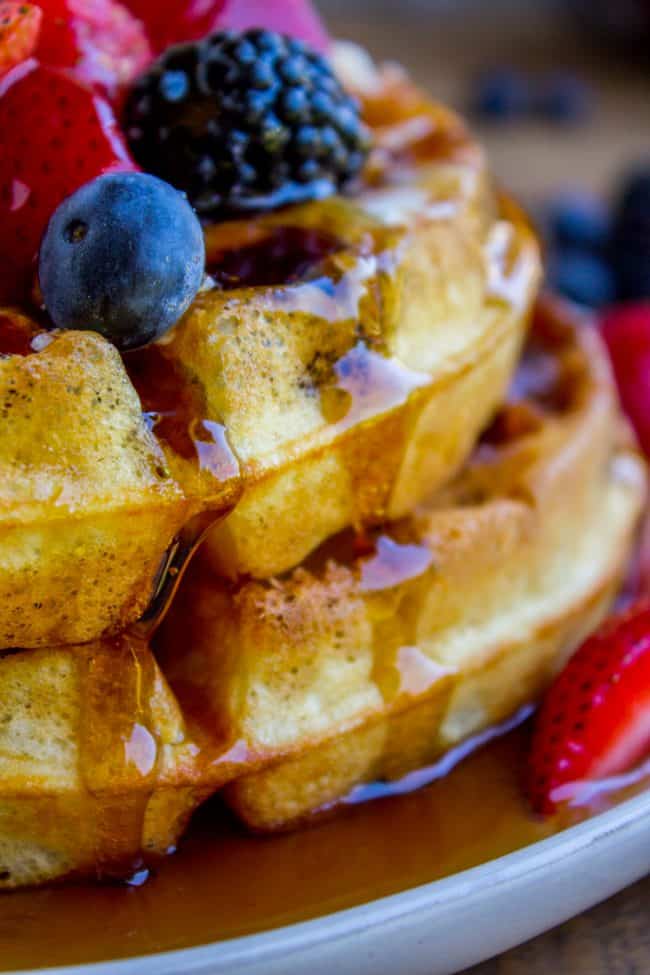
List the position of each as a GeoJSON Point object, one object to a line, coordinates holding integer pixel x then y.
{"type": "Point", "coordinates": [626, 329]}
{"type": "Point", "coordinates": [297, 18]}
{"type": "Point", "coordinates": [62, 135]}
{"type": "Point", "coordinates": [100, 40]}
{"type": "Point", "coordinates": [20, 24]}
{"type": "Point", "coordinates": [188, 20]}
{"type": "Point", "coordinates": [176, 20]}
{"type": "Point", "coordinates": [595, 719]}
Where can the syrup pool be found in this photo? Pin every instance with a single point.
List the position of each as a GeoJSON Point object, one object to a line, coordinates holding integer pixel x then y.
{"type": "Point", "coordinates": [224, 883]}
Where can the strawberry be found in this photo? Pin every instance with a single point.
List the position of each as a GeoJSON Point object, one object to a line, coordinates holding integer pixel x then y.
{"type": "Point", "coordinates": [297, 18]}
{"type": "Point", "coordinates": [20, 24]}
{"type": "Point", "coordinates": [595, 719]}
{"type": "Point", "coordinates": [100, 40]}
{"type": "Point", "coordinates": [176, 20]}
{"type": "Point", "coordinates": [189, 20]}
{"type": "Point", "coordinates": [63, 134]}
{"type": "Point", "coordinates": [626, 330]}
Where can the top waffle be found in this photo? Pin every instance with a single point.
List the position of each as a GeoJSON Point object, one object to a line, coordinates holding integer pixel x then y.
{"type": "Point", "coordinates": [338, 365]}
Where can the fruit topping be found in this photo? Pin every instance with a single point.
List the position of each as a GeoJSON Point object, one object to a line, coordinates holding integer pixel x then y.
{"type": "Point", "coordinates": [501, 95]}
{"type": "Point", "coordinates": [583, 277]}
{"type": "Point", "coordinates": [630, 245]}
{"type": "Point", "coordinates": [123, 256]}
{"type": "Point", "coordinates": [100, 40]}
{"type": "Point", "coordinates": [295, 18]}
{"type": "Point", "coordinates": [595, 719]}
{"type": "Point", "coordinates": [245, 122]}
{"type": "Point", "coordinates": [564, 97]}
{"type": "Point", "coordinates": [626, 330]}
{"type": "Point", "coordinates": [62, 135]}
{"type": "Point", "coordinates": [579, 219]}
{"type": "Point", "coordinates": [20, 24]}
{"type": "Point", "coordinates": [190, 20]}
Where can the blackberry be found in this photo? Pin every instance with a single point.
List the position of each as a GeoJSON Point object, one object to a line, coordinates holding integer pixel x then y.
{"type": "Point", "coordinates": [246, 121]}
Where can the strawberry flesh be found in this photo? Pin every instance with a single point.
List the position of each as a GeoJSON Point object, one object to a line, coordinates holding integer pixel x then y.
{"type": "Point", "coordinates": [63, 134]}
{"type": "Point", "coordinates": [626, 330]}
{"type": "Point", "coordinates": [189, 20]}
{"type": "Point", "coordinates": [595, 719]}
{"type": "Point", "coordinates": [99, 40]}
{"type": "Point", "coordinates": [20, 24]}
{"type": "Point", "coordinates": [297, 18]}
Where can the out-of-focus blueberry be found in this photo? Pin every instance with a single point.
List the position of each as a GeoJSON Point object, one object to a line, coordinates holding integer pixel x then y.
{"type": "Point", "coordinates": [564, 97]}
{"type": "Point", "coordinates": [582, 277]}
{"type": "Point", "coordinates": [579, 219]}
{"type": "Point", "coordinates": [635, 191]}
{"type": "Point", "coordinates": [501, 94]}
{"type": "Point", "coordinates": [630, 240]}
{"type": "Point", "coordinates": [632, 273]}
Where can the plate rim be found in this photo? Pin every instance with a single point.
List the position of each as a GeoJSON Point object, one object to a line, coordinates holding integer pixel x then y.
{"type": "Point", "coordinates": [236, 953]}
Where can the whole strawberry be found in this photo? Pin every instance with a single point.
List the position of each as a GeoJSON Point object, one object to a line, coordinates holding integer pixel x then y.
{"type": "Point", "coordinates": [20, 24]}
{"type": "Point", "coordinates": [626, 330]}
{"type": "Point", "coordinates": [63, 134]}
{"type": "Point", "coordinates": [595, 719]}
{"type": "Point", "coordinates": [99, 40]}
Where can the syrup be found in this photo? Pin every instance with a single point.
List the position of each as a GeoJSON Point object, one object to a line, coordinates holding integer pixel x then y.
{"type": "Point", "coordinates": [211, 890]}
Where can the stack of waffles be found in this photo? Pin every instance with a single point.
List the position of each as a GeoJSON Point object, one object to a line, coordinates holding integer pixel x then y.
{"type": "Point", "coordinates": [357, 506]}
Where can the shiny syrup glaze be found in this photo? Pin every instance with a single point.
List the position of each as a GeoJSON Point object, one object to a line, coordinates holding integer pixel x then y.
{"type": "Point", "coordinates": [224, 883]}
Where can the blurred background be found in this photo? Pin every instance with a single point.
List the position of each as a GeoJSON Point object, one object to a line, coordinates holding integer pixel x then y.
{"type": "Point", "coordinates": [559, 92]}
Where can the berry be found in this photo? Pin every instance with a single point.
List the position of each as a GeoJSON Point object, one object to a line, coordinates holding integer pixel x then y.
{"type": "Point", "coordinates": [582, 277]}
{"type": "Point", "coordinates": [595, 719]}
{"type": "Point", "coordinates": [626, 330]}
{"type": "Point", "coordinates": [501, 95]}
{"type": "Point", "coordinates": [99, 40]}
{"type": "Point", "coordinates": [295, 18]}
{"type": "Point", "coordinates": [246, 122]}
{"type": "Point", "coordinates": [62, 135]}
{"type": "Point", "coordinates": [564, 98]}
{"type": "Point", "coordinates": [20, 24]}
{"type": "Point", "coordinates": [123, 256]}
{"type": "Point", "coordinates": [190, 20]}
{"type": "Point", "coordinates": [630, 248]}
{"type": "Point", "coordinates": [579, 219]}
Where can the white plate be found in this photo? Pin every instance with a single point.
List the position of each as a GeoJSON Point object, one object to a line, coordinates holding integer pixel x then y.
{"type": "Point", "coordinates": [438, 928]}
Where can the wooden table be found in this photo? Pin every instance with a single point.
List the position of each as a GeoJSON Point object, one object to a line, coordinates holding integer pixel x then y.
{"type": "Point", "coordinates": [444, 47]}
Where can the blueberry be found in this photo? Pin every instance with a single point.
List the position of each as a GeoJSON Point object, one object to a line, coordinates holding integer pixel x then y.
{"type": "Point", "coordinates": [632, 270]}
{"type": "Point", "coordinates": [579, 219]}
{"type": "Point", "coordinates": [123, 256]}
{"type": "Point", "coordinates": [630, 242]}
{"type": "Point", "coordinates": [501, 95]}
{"type": "Point", "coordinates": [582, 277]}
{"type": "Point", "coordinates": [564, 98]}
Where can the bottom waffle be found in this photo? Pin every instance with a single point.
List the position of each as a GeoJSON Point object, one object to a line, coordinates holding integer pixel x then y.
{"type": "Point", "coordinates": [366, 664]}
{"type": "Point", "coordinates": [370, 660]}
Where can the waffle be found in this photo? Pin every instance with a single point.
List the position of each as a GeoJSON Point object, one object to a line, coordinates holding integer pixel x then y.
{"type": "Point", "coordinates": [363, 378]}
{"type": "Point", "coordinates": [364, 666]}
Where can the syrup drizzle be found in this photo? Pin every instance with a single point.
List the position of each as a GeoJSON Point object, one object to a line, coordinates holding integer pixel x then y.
{"type": "Point", "coordinates": [413, 781]}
